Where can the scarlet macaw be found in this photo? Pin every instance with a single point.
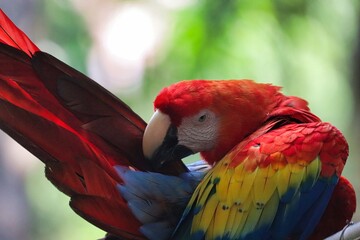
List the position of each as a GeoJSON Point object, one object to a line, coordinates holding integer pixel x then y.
{"type": "Point", "coordinates": [273, 164]}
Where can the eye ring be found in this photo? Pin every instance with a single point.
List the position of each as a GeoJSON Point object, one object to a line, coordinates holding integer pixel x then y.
{"type": "Point", "coordinates": [202, 118]}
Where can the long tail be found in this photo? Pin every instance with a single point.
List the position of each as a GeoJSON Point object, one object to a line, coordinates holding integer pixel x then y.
{"type": "Point", "coordinates": [76, 127]}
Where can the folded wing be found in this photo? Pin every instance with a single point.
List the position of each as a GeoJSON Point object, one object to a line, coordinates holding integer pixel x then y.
{"type": "Point", "coordinates": [273, 186]}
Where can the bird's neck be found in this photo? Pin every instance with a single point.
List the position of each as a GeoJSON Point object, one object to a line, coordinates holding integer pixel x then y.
{"type": "Point", "coordinates": [228, 141]}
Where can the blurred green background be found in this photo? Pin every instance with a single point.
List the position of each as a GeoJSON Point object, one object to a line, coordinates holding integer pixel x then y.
{"type": "Point", "coordinates": [134, 48]}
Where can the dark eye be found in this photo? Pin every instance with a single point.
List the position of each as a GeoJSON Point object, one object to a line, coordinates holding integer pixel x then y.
{"type": "Point", "coordinates": [202, 118]}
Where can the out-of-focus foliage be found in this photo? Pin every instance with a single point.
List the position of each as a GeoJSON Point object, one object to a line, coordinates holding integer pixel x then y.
{"type": "Point", "coordinates": [52, 217]}
{"type": "Point", "coordinates": [304, 46]}
{"type": "Point", "coordinates": [62, 25]}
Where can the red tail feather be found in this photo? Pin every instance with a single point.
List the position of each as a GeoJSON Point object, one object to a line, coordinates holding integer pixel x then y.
{"type": "Point", "coordinates": [77, 128]}
{"type": "Point", "coordinates": [14, 37]}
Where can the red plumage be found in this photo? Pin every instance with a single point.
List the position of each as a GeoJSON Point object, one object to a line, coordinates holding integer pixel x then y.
{"type": "Point", "coordinates": [81, 131]}
{"type": "Point", "coordinates": [248, 110]}
{"type": "Point", "coordinates": [76, 127]}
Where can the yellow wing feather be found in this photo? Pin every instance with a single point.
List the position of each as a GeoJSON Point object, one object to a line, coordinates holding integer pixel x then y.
{"type": "Point", "coordinates": [203, 219]}
{"type": "Point", "coordinates": [264, 184]}
{"type": "Point", "coordinates": [243, 199]}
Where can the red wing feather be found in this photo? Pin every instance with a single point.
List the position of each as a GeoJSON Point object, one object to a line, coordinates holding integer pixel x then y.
{"type": "Point", "coordinates": [72, 124]}
{"type": "Point", "coordinates": [96, 109]}
{"type": "Point", "coordinates": [107, 216]}
{"type": "Point", "coordinates": [73, 163]}
{"type": "Point", "coordinates": [11, 35]}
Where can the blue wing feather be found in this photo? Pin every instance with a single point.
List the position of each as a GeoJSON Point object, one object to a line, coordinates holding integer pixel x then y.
{"type": "Point", "coordinates": [159, 200]}
{"type": "Point", "coordinates": [299, 218]}
{"type": "Point", "coordinates": [314, 213]}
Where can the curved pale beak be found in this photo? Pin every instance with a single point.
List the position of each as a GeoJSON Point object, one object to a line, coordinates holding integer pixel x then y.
{"type": "Point", "coordinates": [160, 141]}
{"type": "Point", "coordinates": [155, 133]}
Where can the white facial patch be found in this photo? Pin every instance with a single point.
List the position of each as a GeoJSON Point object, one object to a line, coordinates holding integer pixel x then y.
{"type": "Point", "coordinates": [199, 132]}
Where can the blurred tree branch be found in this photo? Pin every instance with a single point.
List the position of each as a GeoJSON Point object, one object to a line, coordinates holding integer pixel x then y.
{"type": "Point", "coordinates": [350, 232]}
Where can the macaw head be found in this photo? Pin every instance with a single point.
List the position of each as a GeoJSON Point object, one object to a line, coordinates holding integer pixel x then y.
{"type": "Point", "coordinates": [209, 117]}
